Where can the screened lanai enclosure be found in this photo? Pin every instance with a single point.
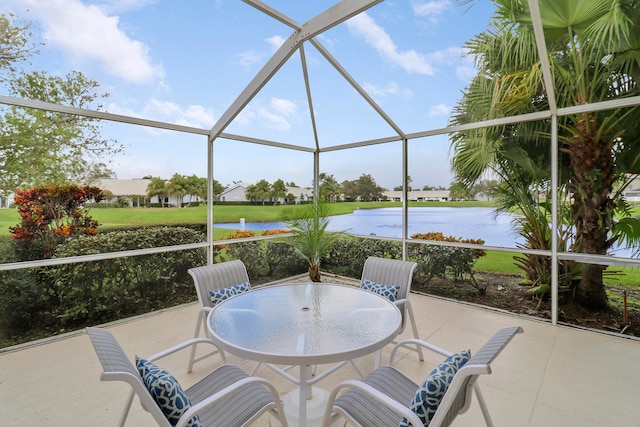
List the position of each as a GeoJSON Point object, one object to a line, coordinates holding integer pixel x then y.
{"type": "Point", "coordinates": [538, 97]}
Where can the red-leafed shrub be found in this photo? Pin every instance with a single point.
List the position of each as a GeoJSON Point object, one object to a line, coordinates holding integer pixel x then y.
{"type": "Point", "coordinates": [274, 232]}
{"type": "Point", "coordinates": [51, 214]}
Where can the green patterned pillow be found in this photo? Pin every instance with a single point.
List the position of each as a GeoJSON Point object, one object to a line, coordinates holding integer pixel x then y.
{"type": "Point", "coordinates": [166, 391]}
{"type": "Point", "coordinates": [388, 291]}
{"type": "Point", "coordinates": [432, 390]}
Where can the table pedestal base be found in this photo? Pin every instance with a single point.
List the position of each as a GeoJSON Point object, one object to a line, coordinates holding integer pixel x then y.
{"type": "Point", "coordinates": [315, 409]}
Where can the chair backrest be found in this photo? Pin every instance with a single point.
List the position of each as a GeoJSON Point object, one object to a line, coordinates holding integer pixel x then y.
{"type": "Point", "coordinates": [392, 272]}
{"type": "Point", "coordinates": [117, 367]}
{"type": "Point", "coordinates": [217, 276]}
{"type": "Point", "coordinates": [458, 396]}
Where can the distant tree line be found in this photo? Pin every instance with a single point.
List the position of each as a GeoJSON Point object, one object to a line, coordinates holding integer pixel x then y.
{"type": "Point", "coordinates": [181, 186]}
{"type": "Point", "coordinates": [363, 189]}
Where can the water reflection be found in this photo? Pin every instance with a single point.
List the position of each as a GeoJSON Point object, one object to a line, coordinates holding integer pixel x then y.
{"type": "Point", "coordinates": [466, 223]}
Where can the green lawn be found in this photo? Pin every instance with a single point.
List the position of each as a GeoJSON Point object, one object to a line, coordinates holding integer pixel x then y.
{"type": "Point", "coordinates": [118, 217]}
{"type": "Point", "coordinates": [499, 262]}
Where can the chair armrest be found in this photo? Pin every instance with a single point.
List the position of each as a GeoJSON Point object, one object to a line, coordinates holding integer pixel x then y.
{"type": "Point", "coordinates": [179, 347]}
{"type": "Point", "coordinates": [401, 301]}
{"type": "Point", "coordinates": [206, 403]}
{"type": "Point", "coordinates": [421, 343]}
{"type": "Point", "coordinates": [375, 394]}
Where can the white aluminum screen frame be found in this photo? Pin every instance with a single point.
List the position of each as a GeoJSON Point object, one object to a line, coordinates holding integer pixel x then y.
{"type": "Point", "coordinates": [306, 33]}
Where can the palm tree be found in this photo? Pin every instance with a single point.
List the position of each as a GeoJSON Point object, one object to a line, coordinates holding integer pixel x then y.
{"type": "Point", "coordinates": [310, 236]}
{"type": "Point", "coordinates": [524, 188]}
{"type": "Point", "coordinates": [178, 186]}
{"type": "Point", "coordinates": [157, 187]}
{"type": "Point", "coordinates": [593, 48]}
{"type": "Point", "coordinates": [278, 191]}
{"type": "Point", "coordinates": [196, 187]}
{"type": "Point", "coordinates": [260, 190]}
{"type": "Point", "coordinates": [329, 188]}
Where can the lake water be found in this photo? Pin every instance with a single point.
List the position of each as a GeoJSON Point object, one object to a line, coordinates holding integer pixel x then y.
{"type": "Point", "coordinates": [466, 223]}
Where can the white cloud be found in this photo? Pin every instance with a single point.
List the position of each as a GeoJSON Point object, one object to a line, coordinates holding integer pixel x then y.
{"type": "Point", "coordinates": [284, 106]}
{"type": "Point", "coordinates": [466, 70]}
{"type": "Point", "coordinates": [155, 109]}
{"type": "Point", "coordinates": [250, 58]}
{"type": "Point", "coordinates": [391, 89]}
{"type": "Point", "coordinates": [117, 6]}
{"type": "Point", "coordinates": [130, 167]}
{"type": "Point", "coordinates": [454, 57]}
{"type": "Point", "coordinates": [431, 9]}
{"type": "Point", "coordinates": [449, 56]}
{"type": "Point", "coordinates": [253, 57]}
{"type": "Point", "coordinates": [439, 110]}
{"type": "Point", "coordinates": [326, 41]}
{"type": "Point", "coordinates": [278, 114]}
{"type": "Point", "coordinates": [87, 34]}
{"type": "Point", "coordinates": [275, 42]}
{"type": "Point", "coordinates": [411, 61]}
{"type": "Point", "coordinates": [197, 115]}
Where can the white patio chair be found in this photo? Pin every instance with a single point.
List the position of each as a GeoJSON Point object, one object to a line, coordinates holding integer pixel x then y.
{"type": "Point", "coordinates": [211, 278]}
{"type": "Point", "coordinates": [381, 399]}
{"type": "Point", "coordinates": [382, 274]}
{"type": "Point", "coordinates": [226, 394]}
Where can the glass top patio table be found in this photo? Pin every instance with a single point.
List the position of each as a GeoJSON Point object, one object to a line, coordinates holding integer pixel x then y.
{"type": "Point", "coordinates": [304, 324]}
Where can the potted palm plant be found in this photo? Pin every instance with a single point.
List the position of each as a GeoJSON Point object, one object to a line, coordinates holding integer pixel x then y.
{"type": "Point", "coordinates": [310, 236]}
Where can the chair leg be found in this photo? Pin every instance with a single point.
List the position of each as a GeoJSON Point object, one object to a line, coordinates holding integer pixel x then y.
{"type": "Point", "coordinates": [483, 405]}
{"type": "Point", "coordinates": [255, 369]}
{"type": "Point", "coordinates": [357, 368]}
{"type": "Point", "coordinates": [239, 361]}
{"type": "Point", "coordinates": [414, 328]}
{"type": "Point", "coordinates": [377, 358]}
{"type": "Point", "coordinates": [127, 407]}
{"type": "Point", "coordinates": [192, 356]}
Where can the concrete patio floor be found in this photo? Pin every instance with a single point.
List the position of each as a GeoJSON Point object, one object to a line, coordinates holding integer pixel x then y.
{"type": "Point", "coordinates": [548, 376]}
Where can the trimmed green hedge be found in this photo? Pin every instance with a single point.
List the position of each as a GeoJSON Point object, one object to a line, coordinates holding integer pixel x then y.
{"type": "Point", "coordinates": [99, 291]}
{"type": "Point", "coordinates": [53, 299]}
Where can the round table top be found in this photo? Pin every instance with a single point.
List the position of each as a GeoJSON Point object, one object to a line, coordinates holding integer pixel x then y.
{"type": "Point", "coordinates": [304, 324]}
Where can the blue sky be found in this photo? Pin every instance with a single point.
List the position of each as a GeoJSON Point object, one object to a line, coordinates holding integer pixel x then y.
{"type": "Point", "coordinates": [185, 62]}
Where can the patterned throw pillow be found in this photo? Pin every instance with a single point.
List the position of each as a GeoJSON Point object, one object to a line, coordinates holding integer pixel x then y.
{"type": "Point", "coordinates": [432, 390]}
{"type": "Point", "coordinates": [166, 391]}
{"type": "Point", "coordinates": [220, 295]}
{"type": "Point", "coordinates": [388, 291]}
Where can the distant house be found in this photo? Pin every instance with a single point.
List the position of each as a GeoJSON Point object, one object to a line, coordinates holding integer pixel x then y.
{"type": "Point", "coordinates": [299, 194]}
{"type": "Point", "coordinates": [234, 193]}
{"type": "Point", "coordinates": [237, 193]}
{"type": "Point", "coordinates": [419, 195]}
{"type": "Point", "coordinates": [133, 191]}
{"type": "Point", "coordinates": [632, 192]}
